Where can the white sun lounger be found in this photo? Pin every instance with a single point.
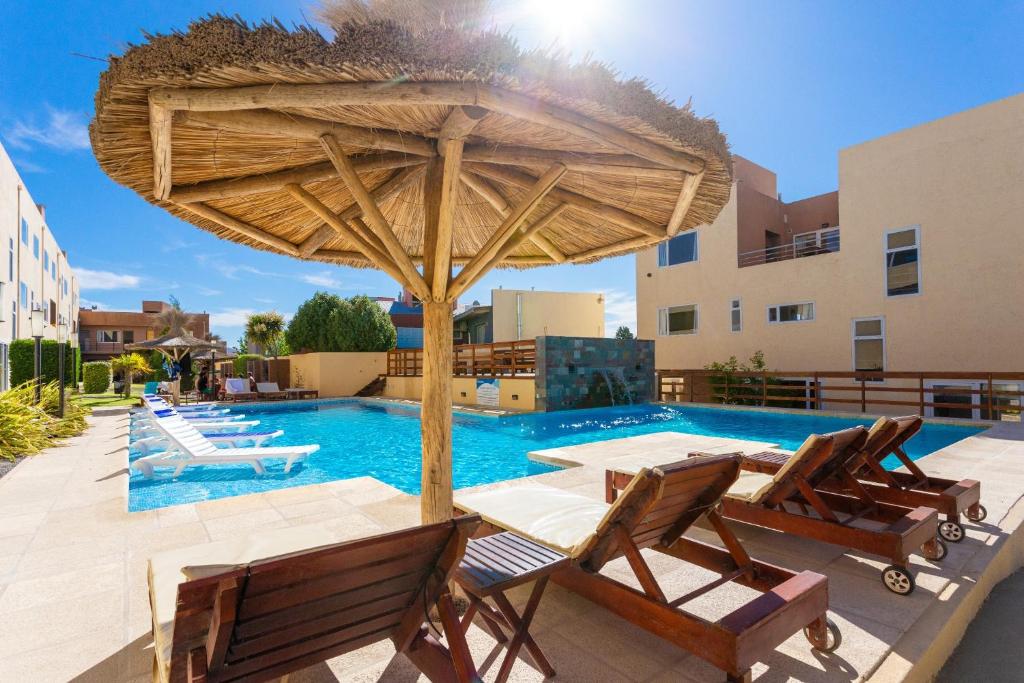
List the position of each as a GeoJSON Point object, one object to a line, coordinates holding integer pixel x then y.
{"type": "Point", "coordinates": [159, 442]}
{"type": "Point", "coordinates": [154, 400]}
{"type": "Point", "coordinates": [188, 447]}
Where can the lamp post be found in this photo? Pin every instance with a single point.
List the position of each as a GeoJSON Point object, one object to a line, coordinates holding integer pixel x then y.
{"type": "Point", "coordinates": [38, 319]}
{"type": "Point", "coordinates": [62, 348]}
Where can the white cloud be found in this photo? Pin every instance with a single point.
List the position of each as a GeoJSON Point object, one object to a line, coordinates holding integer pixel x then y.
{"type": "Point", "coordinates": [263, 301]}
{"type": "Point", "coordinates": [619, 309]}
{"type": "Point", "coordinates": [24, 166]}
{"type": "Point", "coordinates": [231, 317]}
{"type": "Point", "coordinates": [322, 279]}
{"type": "Point", "coordinates": [64, 130]}
{"type": "Point", "coordinates": [104, 279]}
{"type": "Point", "coordinates": [207, 291]}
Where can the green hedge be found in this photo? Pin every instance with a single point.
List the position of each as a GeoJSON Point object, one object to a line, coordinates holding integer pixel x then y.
{"type": "Point", "coordinates": [22, 358]}
{"type": "Point", "coordinates": [95, 377]}
{"type": "Point", "coordinates": [241, 363]}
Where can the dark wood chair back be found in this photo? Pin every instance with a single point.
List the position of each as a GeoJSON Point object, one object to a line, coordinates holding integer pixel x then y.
{"type": "Point", "coordinates": [827, 454]}
{"type": "Point", "coordinates": [660, 504]}
{"type": "Point", "coordinates": [266, 619]}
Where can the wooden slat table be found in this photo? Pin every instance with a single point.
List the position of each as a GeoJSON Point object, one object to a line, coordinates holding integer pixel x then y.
{"type": "Point", "coordinates": [491, 566]}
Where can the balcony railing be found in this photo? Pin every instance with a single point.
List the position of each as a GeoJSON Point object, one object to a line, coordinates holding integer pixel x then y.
{"type": "Point", "coordinates": [501, 359]}
{"type": "Point", "coordinates": [93, 346]}
{"type": "Point", "coordinates": [804, 244]}
{"type": "Point", "coordinates": [969, 395]}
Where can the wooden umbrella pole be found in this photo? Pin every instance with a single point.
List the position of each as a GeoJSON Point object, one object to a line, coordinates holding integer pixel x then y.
{"type": "Point", "coordinates": [436, 413]}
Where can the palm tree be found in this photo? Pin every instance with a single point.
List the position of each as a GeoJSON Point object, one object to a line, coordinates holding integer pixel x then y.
{"type": "Point", "coordinates": [130, 365]}
{"type": "Point", "coordinates": [173, 319]}
{"type": "Point", "coordinates": [265, 330]}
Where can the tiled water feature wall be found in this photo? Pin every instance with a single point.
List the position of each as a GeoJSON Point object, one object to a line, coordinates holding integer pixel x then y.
{"type": "Point", "coordinates": [591, 372]}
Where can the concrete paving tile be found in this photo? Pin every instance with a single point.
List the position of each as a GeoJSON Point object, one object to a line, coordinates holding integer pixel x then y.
{"type": "Point", "coordinates": [177, 514]}
{"type": "Point", "coordinates": [226, 507]}
{"type": "Point", "coordinates": [323, 506]}
{"type": "Point", "coordinates": [397, 512]}
{"type": "Point", "coordinates": [14, 545]}
{"type": "Point", "coordinates": [233, 525]}
{"type": "Point", "coordinates": [28, 591]}
{"type": "Point", "coordinates": [298, 494]}
{"type": "Point", "coordinates": [60, 620]}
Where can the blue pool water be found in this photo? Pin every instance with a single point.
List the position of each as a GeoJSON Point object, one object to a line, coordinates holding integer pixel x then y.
{"type": "Point", "coordinates": [383, 441]}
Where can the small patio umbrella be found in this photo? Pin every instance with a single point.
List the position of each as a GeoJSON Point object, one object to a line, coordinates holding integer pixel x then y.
{"type": "Point", "coordinates": [175, 346]}
{"type": "Point", "coordinates": [410, 148]}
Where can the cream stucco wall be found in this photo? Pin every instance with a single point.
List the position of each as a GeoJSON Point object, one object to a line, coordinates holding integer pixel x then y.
{"type": "Point", "coordinates": [565, 314]}
{"type": "Point", "coordinates": [513, 394]}
{"type": "Point", "coordinates": [336, 374]}
{"type": "Point", "coordinates": [958, 178]}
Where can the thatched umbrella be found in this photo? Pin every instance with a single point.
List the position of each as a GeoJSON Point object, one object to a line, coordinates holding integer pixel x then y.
{"type": "Point", "coordinates": [174, 345]}
{"type": "Point", "coordinates": [404, 149]}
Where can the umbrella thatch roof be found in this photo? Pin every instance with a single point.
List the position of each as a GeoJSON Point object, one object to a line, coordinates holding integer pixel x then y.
{"type": "Point", "coordinates": [174, 344]}
{"type": "Point", "coordinates": [222, 126]}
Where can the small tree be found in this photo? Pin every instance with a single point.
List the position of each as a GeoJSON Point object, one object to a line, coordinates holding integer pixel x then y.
{"type": "Point", "coordinates": [266, 330]}
{"type": "Point", "coordinates": [360, 324]}
{"type": "Point", "coordinates": [623, 333]}
{"type": "Point", "coordinates": [309, 329]}
{"type": "Point", "coordinates": [95, 377]}
{"type": "Point", "coordinates": [130, 364]}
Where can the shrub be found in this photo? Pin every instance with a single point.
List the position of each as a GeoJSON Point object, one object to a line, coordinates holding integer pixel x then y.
{"type": "Point", "coordinates": [156, 362]}
{"type": "Point", "coordinates": [241, 363]}
{"type": "Point", "coordinates": [22, 359]}
{"type": "Point", "coordinates": [27, 427]}
{"type": "Point", "coordinates": [309, 329]}
{"type": "Point", "coordinates": [362, 325]}
{"type": "Point", "coordinates": [95, 377]}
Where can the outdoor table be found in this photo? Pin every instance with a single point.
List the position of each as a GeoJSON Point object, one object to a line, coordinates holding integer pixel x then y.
{"type": "Point", "coordinates": [294, 392]}
{"type": "Point", "coordinates": [494, 564]}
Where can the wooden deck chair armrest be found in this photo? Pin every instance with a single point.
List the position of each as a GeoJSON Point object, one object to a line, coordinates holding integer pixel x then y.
{"type": "Point", "coordinates": [916, 527]}
{"type": "Point", "coordinates": [769, 619]}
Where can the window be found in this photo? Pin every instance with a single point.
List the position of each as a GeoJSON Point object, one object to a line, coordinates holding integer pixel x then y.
{"type": "Point", "coordinates": [869, 344]}
{"type": "Point", "coordinates": [46, 261]}
{"type": "Point", "coordinates": [4, 377]}
{"type": "Point", "coordinates": [23, 295]}
{"type": "Point", "coordinates": [35, 246]}
{"type": "Point", "coordinates": [53, 270]}
{"type": "Point", "coordinates": [678, 320]}
{"type": "Point", "coordinates": [14, 317]}
{"type": "Point", "coordinates": [53, 312]}
{"type": "Point", "coordinates": [680, 249]}
{"type": "Point", "coordinates": [10, 262]}
{"type": "Point", "coordinates": [736, 314]}
{"type": "Point", "coordinates": [106, 335]}
{"type": "Point", "coordinates": [24, 231]}
{"type": "Point", "coordinates": [902, 262]}
{"type": "Point", "coordinates": [791, 313]}
{"type": "Point", "coordinates": [128, 336]}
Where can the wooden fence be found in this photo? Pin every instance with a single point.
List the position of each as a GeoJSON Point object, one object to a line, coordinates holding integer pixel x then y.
{"type": "Point", "coordinates": [986, 395]}
{"type": "Point", "coordinates": [500, 359]}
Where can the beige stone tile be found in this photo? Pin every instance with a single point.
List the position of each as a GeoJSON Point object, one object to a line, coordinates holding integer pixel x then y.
{"type": "Point", "coordinates": [323, 507]}
{"type": "Point", "coordinates": [398, 512]}
{"type": "Point", "coordinates": [177, 514]}
{"type": "Point", "coordinates": [60, 621]}
{"type": "Point", "coordinates": [27, 591]}
{"type": "Point", "coordinates": [104, 551]}
{"type": "Point", "coordinates": [93, 658]}
{"type": "Point", "coordinates": [298, 494]}
{"type": "Point", "coordinates": [254, 520]}
{"type": "Point", "coordinates": [14, 545]}
{"type": "Point", "coordinates": [226, 507]}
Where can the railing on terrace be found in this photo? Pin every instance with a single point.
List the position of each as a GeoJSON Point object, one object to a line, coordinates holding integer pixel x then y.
{"type": "Point", "coordinates": [93, 346]}
{"type": "Point", "coordinates": [812, 243]}
{"type": "Point", "coordinates": [970, 395]}
{"type": "Point", "coordinates": [500, 359]}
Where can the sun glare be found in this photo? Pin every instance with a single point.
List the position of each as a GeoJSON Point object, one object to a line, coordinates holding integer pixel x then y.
{"type": "Point", "coordinates": [570, 23]}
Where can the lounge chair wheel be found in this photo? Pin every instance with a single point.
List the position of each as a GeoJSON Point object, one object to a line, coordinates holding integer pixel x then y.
{"type": "Point", "coordinates": [978, 516]}
{"type": "Point", "coordinates": [941, 553]}
{"type": "Point", "coordinates": [898, 579]}
{"type": "Point", "coordinates": [951, 531]}
{"type": "Point", "coordinates": [833, 637]}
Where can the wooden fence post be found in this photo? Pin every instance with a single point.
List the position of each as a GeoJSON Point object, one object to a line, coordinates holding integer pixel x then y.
{"type": "Point", "coordinates": [920, 390]}
{"type": "Point", "coordinates": [990, 397]}
{"type": "Point", "coordinates": [863, 395]}
{"type": "Point", "coordinates": [764, 389]}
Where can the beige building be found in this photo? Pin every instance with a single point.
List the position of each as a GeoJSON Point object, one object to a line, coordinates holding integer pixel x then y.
{"type": "Point", "coordinates": [516, 314]}
{"type": "Point", "coordinates": [915, 264]}
{"type": "Point", "coordinates": [34, 270]}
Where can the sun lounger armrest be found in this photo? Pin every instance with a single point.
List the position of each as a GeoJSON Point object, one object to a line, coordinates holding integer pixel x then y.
{"type": "Point", "coordinates": [763, 623]}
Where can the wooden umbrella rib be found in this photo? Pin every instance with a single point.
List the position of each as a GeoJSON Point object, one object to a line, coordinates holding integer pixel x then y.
{"type": "Point", "coordinates": [276, 180]}
{"type": "Point", "coordinates": [492, 196]}
{"type": "Point", "coordinates": [622, 246]}
{"type": "Point", "coordinates": [485, 258]}
{"type": "Point", "coordinates": [160, 120]}
{"type": "Point", "coordinates": [393, 185]}
{"type": "Point", "coordinates": [374, 217]}
{"type": "Point", "coordinates": [558, 118]}
{"type": "Point", "coordinates": [340, 227]}
{"type": "Point", "coordinates": [250, 231]}
{"type": "Point", "coordinates": [625, 164]}
{"type": "Point", "coordinates": [321, 236]}
{"type": "Point", "coordinates": [575, 200]}
{"type": "Point", "coordinates": [268, 122]}
{"type": "Point", "coordinates": [691, 183]}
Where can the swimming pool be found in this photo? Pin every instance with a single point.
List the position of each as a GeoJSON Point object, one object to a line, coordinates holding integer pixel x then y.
{"type": "Point", "coordinates": [382, 440]}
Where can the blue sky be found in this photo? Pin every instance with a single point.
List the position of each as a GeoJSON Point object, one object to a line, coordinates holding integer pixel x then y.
{"type": "Point", "coordinates": [789, 82]}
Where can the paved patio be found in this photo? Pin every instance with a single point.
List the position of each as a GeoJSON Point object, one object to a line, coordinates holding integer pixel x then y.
{"type": "Point", "coordinates": [74, 606]}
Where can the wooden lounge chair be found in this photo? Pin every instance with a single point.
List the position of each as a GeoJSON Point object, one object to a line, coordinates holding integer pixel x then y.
{"type": "Point", "coordinates": [785, 499]}
{"type": "Point", "coordinates": [270, 390]}
{"type": "Point", "coordinates": [239, 617]}
{"type": "Point", "coordinates": [949, 497]}
{"type": "Point", "coordinates": [654, 511]}
{"type": "Point", "coordinates": [237, 389]}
